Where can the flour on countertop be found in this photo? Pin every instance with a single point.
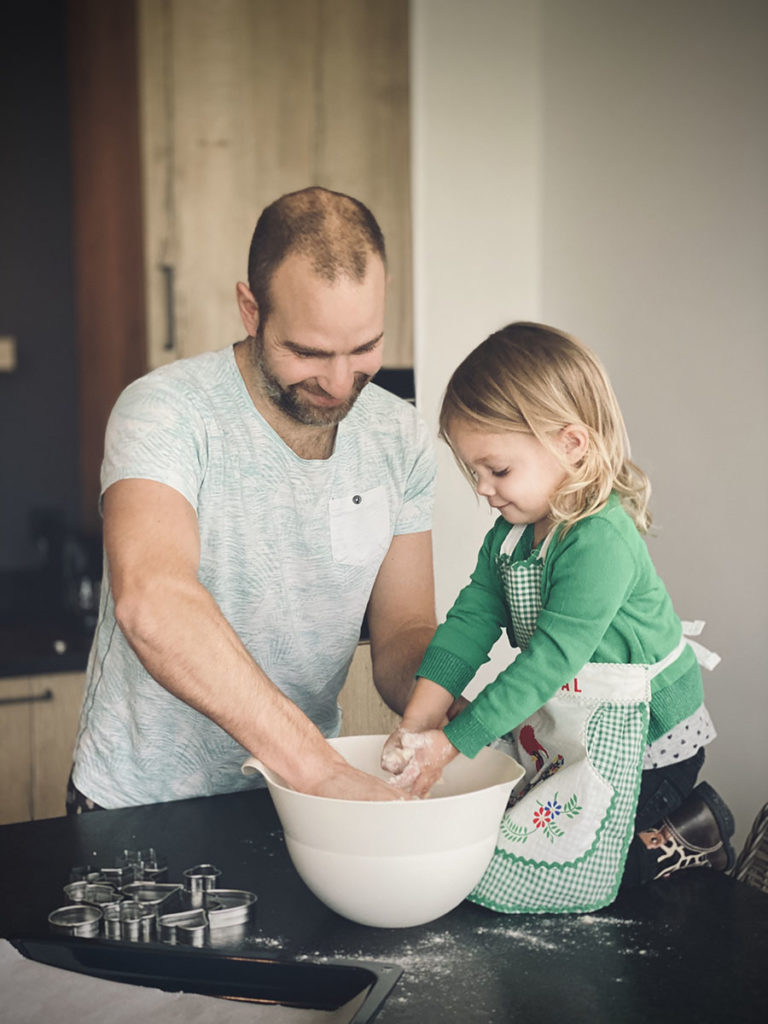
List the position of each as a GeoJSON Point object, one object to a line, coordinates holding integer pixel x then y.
{"type": "Point", "coordinates": [433, 955]}
{"type": "Point", "coordinates": [264, 942]}
{"type": "Point", "coordinates": [267, 848]}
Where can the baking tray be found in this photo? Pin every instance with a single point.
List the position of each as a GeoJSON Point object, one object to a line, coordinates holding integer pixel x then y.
{"type": "Point", "coordinates": [316, 985]}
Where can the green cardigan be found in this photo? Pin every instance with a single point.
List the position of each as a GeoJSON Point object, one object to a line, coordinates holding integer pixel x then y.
{"type": "Point", "coordinates": [602, 601]}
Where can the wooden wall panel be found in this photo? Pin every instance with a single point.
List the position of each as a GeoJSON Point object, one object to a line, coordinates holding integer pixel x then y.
{"type": "Point", "coordinates": [362, 135]}
{"type": "Point", "coordinates": [107, 221]}
{"type": "Point", "coordinates": [243, 100]}
{"type": "Point", "coordinates": [227, 99]}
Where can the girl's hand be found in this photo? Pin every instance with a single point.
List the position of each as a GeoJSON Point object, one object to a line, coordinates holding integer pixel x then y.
{"type": "Point", "coordinates": [397, 752]}
{"type": "Point", "coordinates": [417, 759]}
{"type": "Point", "coordinates": [400, 747]}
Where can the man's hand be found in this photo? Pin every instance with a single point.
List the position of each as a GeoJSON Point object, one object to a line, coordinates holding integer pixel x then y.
{"type": "Point", "coordinates": [347, 783]}
{"type": "Point", "coordinates": [416, 759]}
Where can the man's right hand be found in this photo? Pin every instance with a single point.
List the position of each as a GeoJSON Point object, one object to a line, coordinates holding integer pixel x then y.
{"type": "Point", "coordinates": [347, 783]}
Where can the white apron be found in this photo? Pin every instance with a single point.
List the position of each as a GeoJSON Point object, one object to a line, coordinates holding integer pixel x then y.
{"type": "Point", "coordinates": [563, 840]}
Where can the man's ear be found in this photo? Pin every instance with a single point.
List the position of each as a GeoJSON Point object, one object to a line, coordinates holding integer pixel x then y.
{"type": "Point", "coordinates": [575, 441]}
{"type": "Point", "coordinates": [249, 309]}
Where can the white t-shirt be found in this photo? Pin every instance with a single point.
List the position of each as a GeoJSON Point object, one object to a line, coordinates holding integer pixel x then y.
{"type": "Point", "coordinates": [290, 549]}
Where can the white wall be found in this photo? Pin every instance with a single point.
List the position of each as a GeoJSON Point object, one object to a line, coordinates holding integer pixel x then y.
{"type": "Point", "coordinates": [475, 152]}
{"type": "Point", "coordinates": [603, 166]}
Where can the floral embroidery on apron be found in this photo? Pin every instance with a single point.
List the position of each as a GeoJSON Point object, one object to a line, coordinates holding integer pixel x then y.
{"type": "Point", "coordinates": [562, 841]}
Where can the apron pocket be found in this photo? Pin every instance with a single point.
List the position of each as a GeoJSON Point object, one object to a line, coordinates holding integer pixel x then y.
{"type": "Point", "coordinates": [561, 847]}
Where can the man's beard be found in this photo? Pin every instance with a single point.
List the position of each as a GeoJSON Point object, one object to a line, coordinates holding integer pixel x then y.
{"type": "Point", "coordinates": [290, 399]}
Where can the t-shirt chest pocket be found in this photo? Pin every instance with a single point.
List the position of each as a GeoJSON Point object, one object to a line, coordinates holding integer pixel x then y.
{"type": "Point", "coordinates": [360, 527]}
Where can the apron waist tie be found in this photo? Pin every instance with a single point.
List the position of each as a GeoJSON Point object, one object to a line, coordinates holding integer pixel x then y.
{"type": "Point", "coordinates": [706, 658]}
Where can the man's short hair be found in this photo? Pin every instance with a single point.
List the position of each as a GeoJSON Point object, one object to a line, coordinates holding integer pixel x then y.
{"type": "Point", "coordinates": [335, 232]}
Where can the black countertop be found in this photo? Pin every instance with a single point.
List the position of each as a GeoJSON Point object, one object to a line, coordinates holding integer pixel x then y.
{"type": "Point", "coordinates": [690, 948]}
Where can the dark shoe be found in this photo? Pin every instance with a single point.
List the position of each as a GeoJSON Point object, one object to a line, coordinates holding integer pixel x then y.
{"type": "Point", "coordinates": [695, 835]}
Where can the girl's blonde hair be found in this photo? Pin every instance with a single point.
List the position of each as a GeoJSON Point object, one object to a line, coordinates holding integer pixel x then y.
{"type": "Point", "coordinates": [534, 379]}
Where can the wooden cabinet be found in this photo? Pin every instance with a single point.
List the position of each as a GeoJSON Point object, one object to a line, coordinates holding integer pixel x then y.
{"type": "Point", "coordinates": [38, 725]}
{"type": "Point", "coordinates": [365, 713]}
{"type": "Point", "coordinates": [242, 101]}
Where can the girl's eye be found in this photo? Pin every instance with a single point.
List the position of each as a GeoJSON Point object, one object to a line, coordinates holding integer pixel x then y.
{"type": "Point", "coordinates": [499, 472]}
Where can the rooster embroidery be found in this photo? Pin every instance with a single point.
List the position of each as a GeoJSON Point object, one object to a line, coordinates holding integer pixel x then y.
{"type": "Point", "coordinates": [532, 747]}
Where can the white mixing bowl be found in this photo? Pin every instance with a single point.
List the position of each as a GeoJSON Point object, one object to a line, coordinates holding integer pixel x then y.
{"type": "Point", "coordinates": [396, 864]}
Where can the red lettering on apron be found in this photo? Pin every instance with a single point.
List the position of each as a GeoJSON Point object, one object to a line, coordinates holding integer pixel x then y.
{"type": "Point", "coordinates": [576, 687]}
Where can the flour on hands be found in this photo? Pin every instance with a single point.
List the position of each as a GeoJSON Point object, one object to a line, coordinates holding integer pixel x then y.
{"type": "Point", "coordinates": [416, 759]}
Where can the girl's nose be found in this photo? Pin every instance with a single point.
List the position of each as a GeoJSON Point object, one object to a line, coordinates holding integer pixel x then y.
{"type": "Point", "coordinates": [484, 488]}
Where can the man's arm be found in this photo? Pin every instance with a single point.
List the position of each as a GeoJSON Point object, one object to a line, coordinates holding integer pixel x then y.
{"type": "Point", "coordinates": [181, 637]}
{"type": "Point", "coordinates": [401, 616]}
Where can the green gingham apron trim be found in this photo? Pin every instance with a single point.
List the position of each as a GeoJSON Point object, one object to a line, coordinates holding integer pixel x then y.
{"type": "Point", "coordinates": [589, 882]}
{"type": "Point", "coordinates": [525, 611]}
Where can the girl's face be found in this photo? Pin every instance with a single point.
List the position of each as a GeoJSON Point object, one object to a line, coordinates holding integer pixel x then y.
{"type": "Point", "coordinates": [513, 471]}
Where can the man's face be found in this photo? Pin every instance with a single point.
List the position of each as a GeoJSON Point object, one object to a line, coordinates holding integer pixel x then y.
{"type": "Point", "coordinates": [322, 342]}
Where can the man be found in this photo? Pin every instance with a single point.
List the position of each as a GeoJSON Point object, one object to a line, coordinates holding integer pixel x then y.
{"type": "Point", "coordinates": [257, 501]}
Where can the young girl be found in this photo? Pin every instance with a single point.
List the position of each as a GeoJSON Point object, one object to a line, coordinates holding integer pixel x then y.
{"type": "Point", "coordinates": [603, 706]}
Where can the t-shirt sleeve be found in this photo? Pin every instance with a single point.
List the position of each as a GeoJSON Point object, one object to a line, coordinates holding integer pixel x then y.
{"type": "Point", "coordinates": [592, 571]}
{"type": "Point", "coordinates": [415, 513]}
{"type": "Point", "coordinates": [155, 433]}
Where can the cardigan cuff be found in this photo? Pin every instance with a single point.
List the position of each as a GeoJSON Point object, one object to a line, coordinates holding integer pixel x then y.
{"type": "Point", "coordinates": [445, 669]}
{"type": "Point", "coordinates": [467, 734]}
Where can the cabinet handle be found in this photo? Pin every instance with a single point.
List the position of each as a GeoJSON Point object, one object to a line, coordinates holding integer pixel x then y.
{"type": "Point", "coordinates": [170, 311]}
{"type": "Point", "coordinates": [45, 695]}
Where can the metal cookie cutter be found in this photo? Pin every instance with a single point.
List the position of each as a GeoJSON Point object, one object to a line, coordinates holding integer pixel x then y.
{"type": "Point", "coordinates": [189, 927]}
{"type": "Point", "coordinates": [130, 920]}
{"type": "Point", "coordinates": [120, 875]}
{"type": "Point", "coordinates": [99, 894]}
{"type": "Point", "coordinates": [85, 873]}
{"type": "Point", "coordinates": [146, 865]}
{"type": "Point", "coordinates": [81, 919]}
{"type": "Point", "coordinates": [227, 907]}
{"type": "Point", "coordinates": [229, 912]}
{"type": "Point", "coordinates": [159, 897]}
{"type": "Point", "coordinates": [198, 881]}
